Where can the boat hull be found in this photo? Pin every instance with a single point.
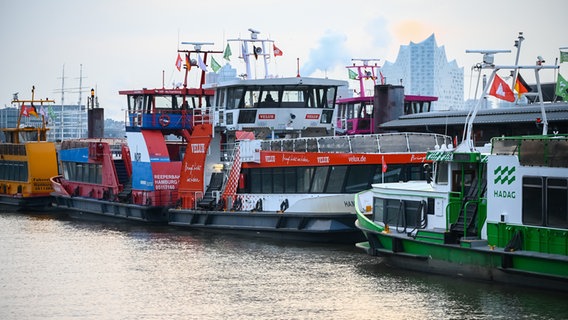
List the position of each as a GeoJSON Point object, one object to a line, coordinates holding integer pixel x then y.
{"type": "Point", "coordinates": [483, 262]}
{"type": "Point", "coordinates": [27, 204]}
{"type": "Point", "coordinates": [334, 228]}
{"type": "Point", "coordinates": [95, 209]}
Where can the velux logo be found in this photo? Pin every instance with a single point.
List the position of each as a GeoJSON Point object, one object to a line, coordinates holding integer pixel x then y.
{"type": "Point", "coordinates": [504, 175]}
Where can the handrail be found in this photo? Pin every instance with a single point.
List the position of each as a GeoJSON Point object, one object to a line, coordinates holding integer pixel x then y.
{"type": "Point", "coordinates": [369, 143]}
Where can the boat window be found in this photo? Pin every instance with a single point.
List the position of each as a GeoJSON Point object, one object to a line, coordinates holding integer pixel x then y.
{"type": "Point", "coordinates": [336, 178]}
{"type": "Point", "coordinates": [557, 202]}
{"type": "Point", "coordinates": [250, 100]}
{"type": "Point", "coordinates": [462, 180]}
{"type": "Point", "coordinates": [278, 180]}
{"type": "Point", "coordinates": [358, 178]}
{"type": "Point", "coordinates": [234, 96]}
{"type": "Point", "coordinates": [290, 180]}
{"type": "Point", "coordinates": [255, 181]}
{"type": "Point", "coordinates": [83, 172]}
{"type": "Point", "coordinates": [13, 170]}
{"type": "Point", "coordinates": [278, 97]}
{"type": "Point", "coordinates": [378, 209]}
{"type": "Point", "coordinates": [350, 111]}
{"type": "Point", "coordinates": [400, 214]}
{"type": "Point", "coordinates": [267, 181]}
{"type": "Point", "coordinates": [220, 97]}
{"type": "Point", "coordinates": [319, 179]}
{"type": "Point", "coordinates": [304, 179]}
{"type": "Point", "coordinates": [545, 201]}
{"type": "Point", "coordinates": [532, 201]}
{"type": "Point", "coordinates": [441, 173]}
{"type": "Point", "coordinates": [394, 174]}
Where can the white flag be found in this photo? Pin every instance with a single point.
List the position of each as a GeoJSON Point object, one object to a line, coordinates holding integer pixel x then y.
{"type": "Point", "coordinates": [200, 63]}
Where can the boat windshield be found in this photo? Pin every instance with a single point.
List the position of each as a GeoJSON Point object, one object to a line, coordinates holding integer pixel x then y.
{"type": "Point", "coordinates": [296, 96]}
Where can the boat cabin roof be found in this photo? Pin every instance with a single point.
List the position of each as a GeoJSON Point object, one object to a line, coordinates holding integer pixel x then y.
{"type": "Point", "coordinates": [294, 81]}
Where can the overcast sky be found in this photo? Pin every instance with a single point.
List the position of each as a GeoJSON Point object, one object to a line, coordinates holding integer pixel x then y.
{"type": "Point", "coordinates": [129, 44]}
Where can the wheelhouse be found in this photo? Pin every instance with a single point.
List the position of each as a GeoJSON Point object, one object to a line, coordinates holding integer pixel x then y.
{"type": "Point", "coordinates": [282, 105]}
{"type": "Point", "coordinates": [165, 108]}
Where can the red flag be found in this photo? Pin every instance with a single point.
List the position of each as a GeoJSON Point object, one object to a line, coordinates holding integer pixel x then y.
{"type": "Point", "coordinates": [277, 51]}
{"type": "Point", "coordinates": [501, 90]}
{"type": "Point", "coordinates": [178, 62]}
{"type": "Point", "coordinates": [24, 112]}
{"type": "Point", "coordinates": [384, 165]}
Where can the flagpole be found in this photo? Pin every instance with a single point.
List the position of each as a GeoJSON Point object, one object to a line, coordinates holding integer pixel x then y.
{"type": "Point", "coordinates": [516, 71]}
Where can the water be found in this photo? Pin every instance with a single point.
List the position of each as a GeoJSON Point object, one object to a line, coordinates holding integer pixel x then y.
{"type": "Point", "coordinates": [53, 268]}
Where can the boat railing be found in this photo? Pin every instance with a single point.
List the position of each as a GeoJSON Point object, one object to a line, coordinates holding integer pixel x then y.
{"type": "Point", "coordinates": [115, 144]}
{"type": "Point", "coordinates": [550, 151]}
{"type": "Point", "coordinates": [171, 118]}
{"type": "Point", "coordinates": [370, 143]}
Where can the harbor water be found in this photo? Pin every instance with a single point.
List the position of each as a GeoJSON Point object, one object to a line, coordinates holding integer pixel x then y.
{"type": "Point", "coordinates": [52, 267]}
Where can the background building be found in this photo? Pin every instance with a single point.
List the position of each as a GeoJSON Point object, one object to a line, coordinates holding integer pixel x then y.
{"type": "Point", "coordinates": [423, 69]}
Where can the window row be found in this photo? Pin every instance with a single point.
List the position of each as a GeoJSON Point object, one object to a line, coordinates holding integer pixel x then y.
{"type": "Point", "coordinates": [296, 96]}
{"type": "Point", "coordinates": [325, 179]}
{"type": "Point", "coordinates": [13, 170]}
{"type": "Point", "coordinates": [402, 214]}
{"type": "Point", "coordinates": [545, 201]}
{"type": "Point", "coordinates": [83, 172]}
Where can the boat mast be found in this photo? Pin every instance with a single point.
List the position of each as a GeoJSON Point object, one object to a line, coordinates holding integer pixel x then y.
{"type": "Point", "coordinates": [516, 71]}
{"type": "Point", "coordinates": [197, 49]}
{"type": "Point", "coordinates": [488, 59]}
{"type": "Point", "coordinates": [469, 130]}
{"type": "Point", "coordinates": [372, 75]}
{"type": "Point", "coordinates": [257, 51]}
{"type": "Point", "coordinates": [31, 101]}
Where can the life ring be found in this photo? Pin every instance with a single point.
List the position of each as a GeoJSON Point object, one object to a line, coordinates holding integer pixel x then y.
{"type": "Point", "coordinates": [164, 120]}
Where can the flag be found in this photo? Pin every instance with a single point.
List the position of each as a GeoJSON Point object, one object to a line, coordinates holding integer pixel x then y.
{"type": "Point", "coordinates": [382, 77]}
{"type": "Point", "coordinates": [187, 62]}
{"type": "Point", "coordinates": [245, 53]}
{"type": "Point", "coordinates": [32, 111]}
{"type": "Point", "coordinates": [352, 74]}
{"type": "Point", "coordinates": [501, 90]}
{"type": "Point", "coordinates": [51, 113]}
{"type": "Point", "coordinates": [214, 65]}
{"type": "Point", "coordinates": [563, 56]}
{"type": "Point", "coordinates": [521, 86]}
{"type": "Point", "coordinates": [227, 54]}
{"type": "Point", "coordinates": [178, 62]}
{"type": "Point", "coordinates": [42, 111]}
{"type": "Point", "coordinates": [562, 88]}
{"type": "Point", "coordinates": [277, 51]}
{"type": "Point", "coordinates": [384, 165]}
{"type": "Point", "coordinates": [24, 111]}
{"type": "Point", "coordinates": [200, 63]}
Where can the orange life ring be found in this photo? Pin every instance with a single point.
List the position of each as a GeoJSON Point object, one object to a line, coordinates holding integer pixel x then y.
{"type": "Point", "coordinates": [164, 120]}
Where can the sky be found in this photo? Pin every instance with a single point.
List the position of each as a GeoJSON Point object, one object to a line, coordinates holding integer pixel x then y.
{"type": "Point", "coordinates": [132, 44]}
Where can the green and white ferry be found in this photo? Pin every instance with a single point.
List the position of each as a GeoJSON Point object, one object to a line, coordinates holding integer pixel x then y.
{"type": "Point", "coordinates": [498, 213]}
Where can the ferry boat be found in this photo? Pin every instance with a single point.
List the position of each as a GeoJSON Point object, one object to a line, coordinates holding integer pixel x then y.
{"type": "Point", "coordinates": [273, 167]}
{"type": "Point", "coordinates": [27, 159]}
{"type": "Point", "coordinates": [498, 213]}
{"type": "Point", "coordinates": [136, 178]}
{"type": "Point", "coordinates": [363, 113]}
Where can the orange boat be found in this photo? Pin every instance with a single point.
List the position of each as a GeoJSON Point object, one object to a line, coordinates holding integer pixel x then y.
{"type": "Point", "coordinates": [27, 160]}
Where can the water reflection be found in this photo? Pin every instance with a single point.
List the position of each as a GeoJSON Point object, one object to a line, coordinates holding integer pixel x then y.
{"type": "Point", "coordinates": [58, 268]}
